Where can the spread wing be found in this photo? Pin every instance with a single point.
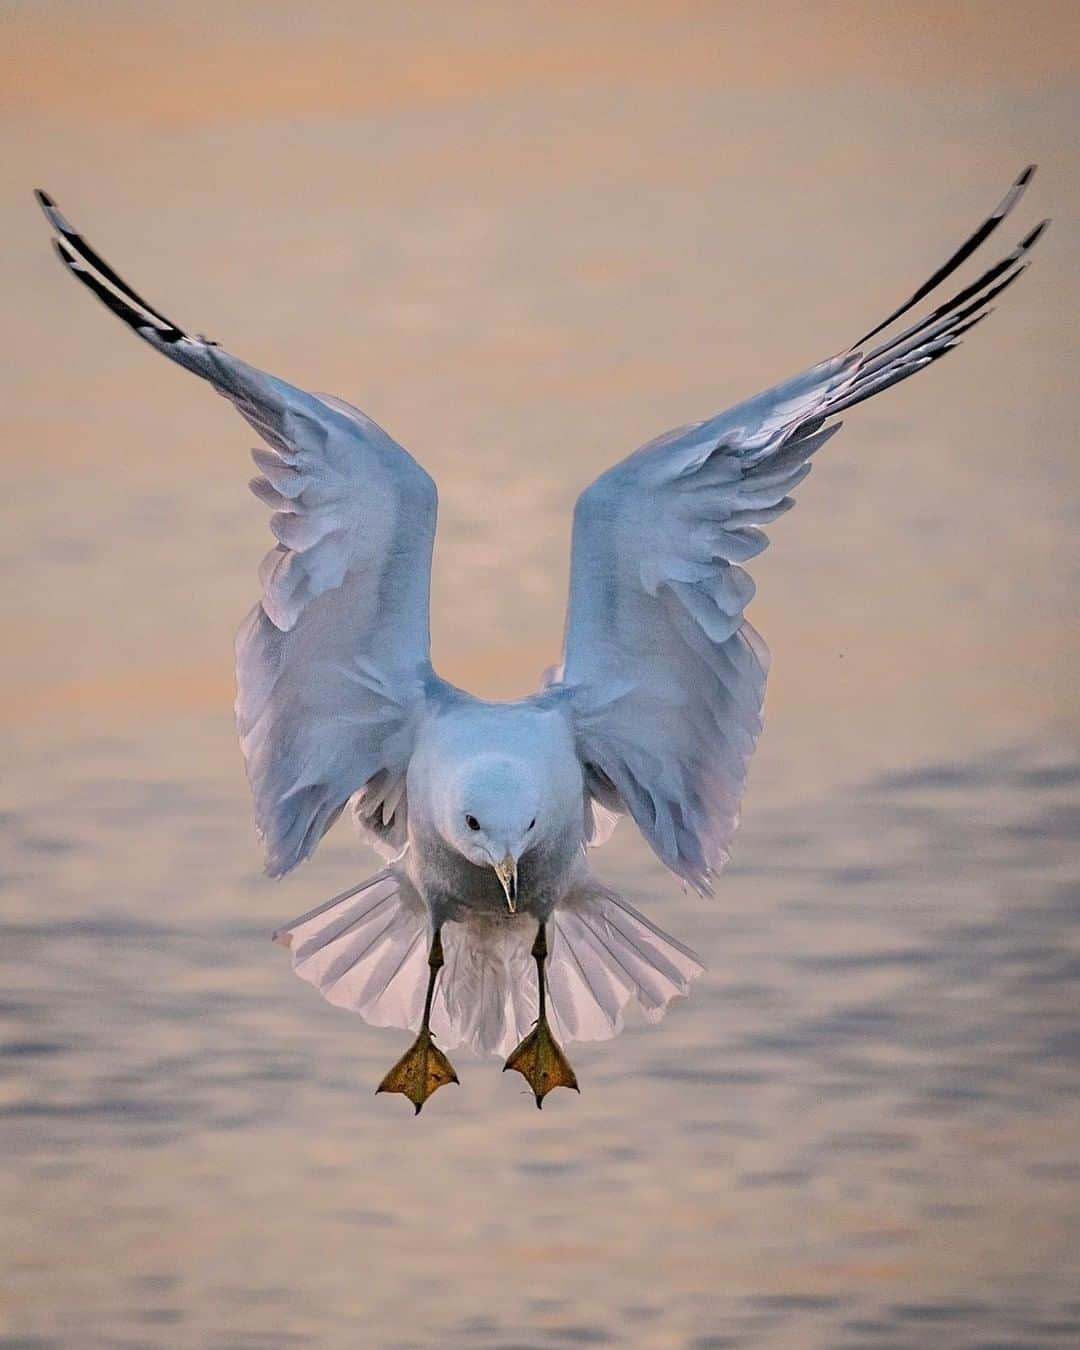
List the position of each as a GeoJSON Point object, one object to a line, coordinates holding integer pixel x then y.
{"type": "Point", "coordinates": [663, 675]}
{"type": "Point", "coordinates": [332, 664]}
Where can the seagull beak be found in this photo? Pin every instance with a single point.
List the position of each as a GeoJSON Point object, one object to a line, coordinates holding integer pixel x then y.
{"type": "Point", "coordinates": [506, 871]}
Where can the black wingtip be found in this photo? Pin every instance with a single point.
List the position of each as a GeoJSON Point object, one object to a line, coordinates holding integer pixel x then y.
{"type": "Point", "coordinates": [1034, 235]}
{"type": "Point", "coordinates": [966, 249]}
{"type": "Point", "coordinates": [48, 206]}
{"type": "Point", "coordinates": [91, 268]}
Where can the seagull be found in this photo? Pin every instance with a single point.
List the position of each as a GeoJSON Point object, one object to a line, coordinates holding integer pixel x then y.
{"type": "Point", "coordinates": [486, 813]}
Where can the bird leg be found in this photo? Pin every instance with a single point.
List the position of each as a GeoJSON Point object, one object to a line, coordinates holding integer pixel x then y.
{"type": "Point", "coordinates": [539, 1058]}
{"type": "Point", "coordinates": [423, 1068]}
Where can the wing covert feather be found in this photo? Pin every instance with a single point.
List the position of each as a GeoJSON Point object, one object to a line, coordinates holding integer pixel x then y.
{"type": "Point", "coordinates": [665, 677]}
{"type": "Point", "coordinates": [333, 663]}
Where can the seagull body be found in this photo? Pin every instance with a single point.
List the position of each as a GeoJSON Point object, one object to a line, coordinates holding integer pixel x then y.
{"type": "Point", "coordinates": [512, 768]}
{"type": "Point", "coordinates": [486, 813]}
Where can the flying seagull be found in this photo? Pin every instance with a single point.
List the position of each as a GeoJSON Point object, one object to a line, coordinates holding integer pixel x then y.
{"type": "Point", "coordinates": [485, 812]}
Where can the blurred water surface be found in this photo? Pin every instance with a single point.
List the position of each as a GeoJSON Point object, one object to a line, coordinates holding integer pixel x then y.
{"type": "Point", "coordinates": [526, 239]}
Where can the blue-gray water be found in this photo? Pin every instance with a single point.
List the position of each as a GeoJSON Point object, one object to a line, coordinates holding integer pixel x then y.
{"type": "Point", "coordinates": [861, 1130]}
{"type": "Point", "coordinates": [526, 240]}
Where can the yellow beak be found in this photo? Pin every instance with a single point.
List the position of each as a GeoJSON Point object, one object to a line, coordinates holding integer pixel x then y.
{"type": "Point", "coordinates": [506, 871]}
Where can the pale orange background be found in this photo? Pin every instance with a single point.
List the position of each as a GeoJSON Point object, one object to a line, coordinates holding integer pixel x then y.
{"type": "Point", "coordinates": [525, 238]}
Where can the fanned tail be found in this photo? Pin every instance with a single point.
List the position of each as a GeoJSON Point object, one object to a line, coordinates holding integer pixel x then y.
{"type": "Point", "coordinates": [486, 996]}
{"type": "Point", "coordinates": [603, 954]}
{"type": "Point", "coordinates": [366, 950]}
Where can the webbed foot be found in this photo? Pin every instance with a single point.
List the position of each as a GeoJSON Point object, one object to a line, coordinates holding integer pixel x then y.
{"type": "Point", "coordinates": [420, 1071]}
{"type": "Point", "coordinates": [540, 1060]}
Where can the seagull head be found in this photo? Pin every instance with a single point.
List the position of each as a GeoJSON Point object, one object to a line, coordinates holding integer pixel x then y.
{"type": "Point", "coordinates": [494, 815]}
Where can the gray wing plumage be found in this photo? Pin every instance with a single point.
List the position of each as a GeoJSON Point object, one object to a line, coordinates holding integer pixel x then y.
{"type": "Point", "coordinates": [332, 664]}
{"type": "Point", "coordinates": [663, 675]}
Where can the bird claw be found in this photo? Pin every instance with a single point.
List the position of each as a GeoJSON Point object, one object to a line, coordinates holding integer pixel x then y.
{"type": "Point", "coordinates": [541, 1062]}
{"type": "Point", "coordinates": [420, 1071]}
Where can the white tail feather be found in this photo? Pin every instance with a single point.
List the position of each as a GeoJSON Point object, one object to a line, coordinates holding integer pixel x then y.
{"type": "Point", "coordinates": [603, 953]}
{"type": "Point", "coordinates": [486, 997]}
{"type": "Point", "coordinates": [366, 950]}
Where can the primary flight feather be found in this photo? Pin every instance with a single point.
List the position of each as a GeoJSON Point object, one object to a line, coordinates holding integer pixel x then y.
{"type": "Point", "coordinates": [484, 811]}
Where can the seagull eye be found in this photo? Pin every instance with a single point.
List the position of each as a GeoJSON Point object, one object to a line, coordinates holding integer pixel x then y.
{"type": "Point", "coordinates": [532, 822]}
{"type": "Point", "coordinates": [472, 822]}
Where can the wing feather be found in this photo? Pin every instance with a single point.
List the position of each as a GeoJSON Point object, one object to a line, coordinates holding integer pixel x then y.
{"type": "Point", "coordinates": [333, 663]}
{"type": "Point", "coordinates": [664, 676]}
